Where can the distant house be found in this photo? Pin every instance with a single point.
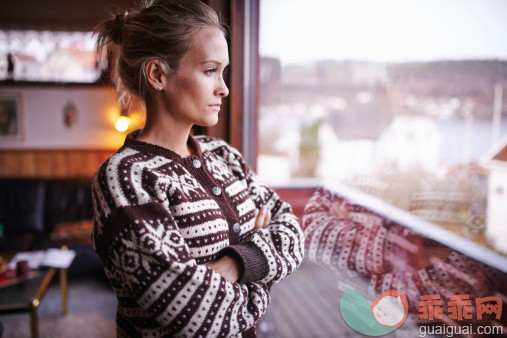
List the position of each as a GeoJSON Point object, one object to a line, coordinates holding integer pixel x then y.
{"type": "Point", "coordinates": [26, 67]}
{"type": "Point", "coordinates": [70, 64]}
{"type": "Point", "coordinates": [496, 229]}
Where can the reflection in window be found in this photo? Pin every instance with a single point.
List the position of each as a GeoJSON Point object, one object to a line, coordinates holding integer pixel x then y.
{"type": "Point", "coordinates": [48, 56]}
{"type": "Point", "coordinates": [401, 99]}
{"type": "Point", "coordinates": [355, 242]}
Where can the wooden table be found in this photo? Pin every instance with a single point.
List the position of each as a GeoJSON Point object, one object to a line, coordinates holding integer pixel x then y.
{"type": "Point", "coordinates": [27, 295]}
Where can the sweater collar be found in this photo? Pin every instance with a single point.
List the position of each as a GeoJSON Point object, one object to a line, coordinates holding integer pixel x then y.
{"type": "Point", "coordinates": [132, 142]}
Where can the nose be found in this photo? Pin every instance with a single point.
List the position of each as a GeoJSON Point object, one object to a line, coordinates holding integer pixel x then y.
{"type": "Point", "coordinates": [221, 89]}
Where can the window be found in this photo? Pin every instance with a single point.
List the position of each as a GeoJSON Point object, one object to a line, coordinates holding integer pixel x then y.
{"type": "Point", "coordinates": [397, 108]}
{"type": "Point", "coordinates": [351, 79]}
{"type": "Point", "coordinates": [402, 100]}
{"type": "Point", "coordinates": [45, 56]}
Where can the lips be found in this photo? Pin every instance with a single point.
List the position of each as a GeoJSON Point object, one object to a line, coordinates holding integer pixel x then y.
{"type": "Point", "coordinates": [215, 106]}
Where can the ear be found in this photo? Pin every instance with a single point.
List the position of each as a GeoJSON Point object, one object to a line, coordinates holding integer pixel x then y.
{"type": "Point", "coordinates": [155, 74]}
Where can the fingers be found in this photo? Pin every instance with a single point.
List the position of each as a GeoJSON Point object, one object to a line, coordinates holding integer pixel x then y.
{"type": "Point", "coordinates": [259, 220]}
{"type": "Point", "coordinates": [263, 218]}
{"type": "Point", "coordinates": [268, 219]}
{"type": "Point", "coordinates": [344, 211]}
{"type": "Point", "coordinates": [228, 267]}
{"type": "Point", "coordinates": [341, 210]}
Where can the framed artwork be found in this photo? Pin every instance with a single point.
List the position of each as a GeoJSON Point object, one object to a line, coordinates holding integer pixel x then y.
{"type": "Point", "coordinates": [12, 116]}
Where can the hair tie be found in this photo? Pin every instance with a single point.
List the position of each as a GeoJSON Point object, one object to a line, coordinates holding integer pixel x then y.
{"type": "Point", "coordinates": [118, 34]}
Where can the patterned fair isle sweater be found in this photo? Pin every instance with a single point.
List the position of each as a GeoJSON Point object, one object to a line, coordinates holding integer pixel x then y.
{"type": "Point", "coordinates": [160, 218]}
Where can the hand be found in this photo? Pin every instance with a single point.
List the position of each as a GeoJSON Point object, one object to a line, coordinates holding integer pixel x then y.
{"type": "Point", "coordinates": [263, 218]}
{"type": "Point", "coordinates": [426, 255]}
{"type": "Point", "coordinates": [228, 267]}
{"type": "Point", "coordinates": [341, 210]}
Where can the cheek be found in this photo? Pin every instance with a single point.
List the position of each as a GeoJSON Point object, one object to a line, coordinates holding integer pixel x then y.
{"type": "Point", "coordinates": [197, 91]}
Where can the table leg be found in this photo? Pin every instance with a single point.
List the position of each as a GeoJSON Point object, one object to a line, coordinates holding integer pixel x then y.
{"type": "Point", "coordinates": [34, 320]}
{"type": "Point", "coordinates": [63, 288]}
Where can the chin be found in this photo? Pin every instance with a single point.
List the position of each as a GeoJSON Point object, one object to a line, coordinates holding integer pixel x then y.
{"type": "Point", "coordinates": [212, 120]}
{"type": "Point", "coordinates": [208, 122]}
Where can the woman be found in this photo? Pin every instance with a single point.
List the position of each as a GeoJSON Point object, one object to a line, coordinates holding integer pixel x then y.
{"type": "Point", "coordinates": [183, 227]}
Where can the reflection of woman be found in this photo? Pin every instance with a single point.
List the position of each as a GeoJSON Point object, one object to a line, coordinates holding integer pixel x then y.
{"type": "Point", "coordinates": [351, 241]}
{"type": "Point", "coordinates": [177, 226]}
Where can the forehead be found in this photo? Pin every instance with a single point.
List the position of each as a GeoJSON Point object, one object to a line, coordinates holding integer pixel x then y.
{"type": "Point", "coordinates": [209, 45]}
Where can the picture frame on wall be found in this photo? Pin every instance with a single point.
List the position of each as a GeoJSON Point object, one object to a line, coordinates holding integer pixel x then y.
{"type": "Point", "coordinates": [12, 116]}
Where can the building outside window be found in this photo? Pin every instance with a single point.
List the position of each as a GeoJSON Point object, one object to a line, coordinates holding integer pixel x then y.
{"type": "Point", "coordinates": [47, 56]}
{"type": "Point", "coordinates": [403, 100]}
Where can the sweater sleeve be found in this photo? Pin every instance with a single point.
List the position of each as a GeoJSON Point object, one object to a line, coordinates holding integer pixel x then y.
{"type": "Point", "coordinates": [343, 245]}
{"type": "Point", "coordinates": [157, 281]}
{"type": "Point", "coordinates": [276, 250]}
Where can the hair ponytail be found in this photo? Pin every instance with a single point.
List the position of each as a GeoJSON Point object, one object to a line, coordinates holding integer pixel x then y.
{"type": "Point", "coordinates": [117, 33]}
{"type": "Point", "coordinates": [110, 31]}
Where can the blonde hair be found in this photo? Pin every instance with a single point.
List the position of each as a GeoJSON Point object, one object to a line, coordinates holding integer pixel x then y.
{"type": "Point", "coordinates": [156, 29]}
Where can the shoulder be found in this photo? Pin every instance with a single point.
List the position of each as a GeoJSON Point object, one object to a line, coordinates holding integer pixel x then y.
{"type": "Point", "coordinates": [129, 161]}
{"type": "Point", "coordinates": [121, 178]}
{"type": "Point", "coordinates": [123, 157]}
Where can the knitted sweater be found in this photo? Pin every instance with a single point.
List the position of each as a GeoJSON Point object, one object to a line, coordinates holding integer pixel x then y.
{"type": "Point", "coordinates": [159, 218]}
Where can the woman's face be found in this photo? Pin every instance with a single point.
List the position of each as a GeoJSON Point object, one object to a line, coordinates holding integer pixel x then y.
{"type": "Point", "coordinates": [195, 91]}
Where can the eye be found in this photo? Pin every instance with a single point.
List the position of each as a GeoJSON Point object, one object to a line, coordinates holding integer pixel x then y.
{"type": "Point", "coordinates": [210, 71]}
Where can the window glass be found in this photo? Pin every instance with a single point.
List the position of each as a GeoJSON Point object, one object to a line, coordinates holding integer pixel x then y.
{"type": "Point", "coordinates": [48, 56]}
{"type": "Point", "coordinates": [364, 85]}
{"type": "Point", "coordinates": [398, 108]}
{"type": "Point", "coordinates": [400, 99]}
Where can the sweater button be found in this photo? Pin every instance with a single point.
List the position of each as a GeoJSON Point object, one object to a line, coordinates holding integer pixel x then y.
{"type": "Point", "coordinates": [216, 191]}
{"type": "Point", "coordinates": [236, 228]}
{"type": "Point", "coordinates": [196, 164]}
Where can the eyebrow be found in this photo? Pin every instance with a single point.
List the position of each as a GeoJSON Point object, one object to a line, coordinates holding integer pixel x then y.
{"type": "Point", "coordinates": [214, 61]}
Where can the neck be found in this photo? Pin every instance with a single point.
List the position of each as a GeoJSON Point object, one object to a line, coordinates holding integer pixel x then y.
{"type": "Point", "coordinates": [163, 130]}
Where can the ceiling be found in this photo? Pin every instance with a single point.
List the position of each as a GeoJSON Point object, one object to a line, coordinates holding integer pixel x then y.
{"type": "Point", "coordinates": [57, 15]}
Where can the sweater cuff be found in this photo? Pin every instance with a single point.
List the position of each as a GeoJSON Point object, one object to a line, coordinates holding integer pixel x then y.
{"type": "Point", "coordinates": [254, 263]}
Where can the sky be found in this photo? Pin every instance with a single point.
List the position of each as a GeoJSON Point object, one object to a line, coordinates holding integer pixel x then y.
{"type": "Point", "coordinates": [297, 31]}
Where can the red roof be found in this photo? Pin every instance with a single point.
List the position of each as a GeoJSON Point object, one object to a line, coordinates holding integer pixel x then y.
{"type": "Point", "coordinates": [86, 58]}
{"type": "Point", "coordinates": [24, 57]}
{"type": "Point", "coordinates": [501, 155]}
